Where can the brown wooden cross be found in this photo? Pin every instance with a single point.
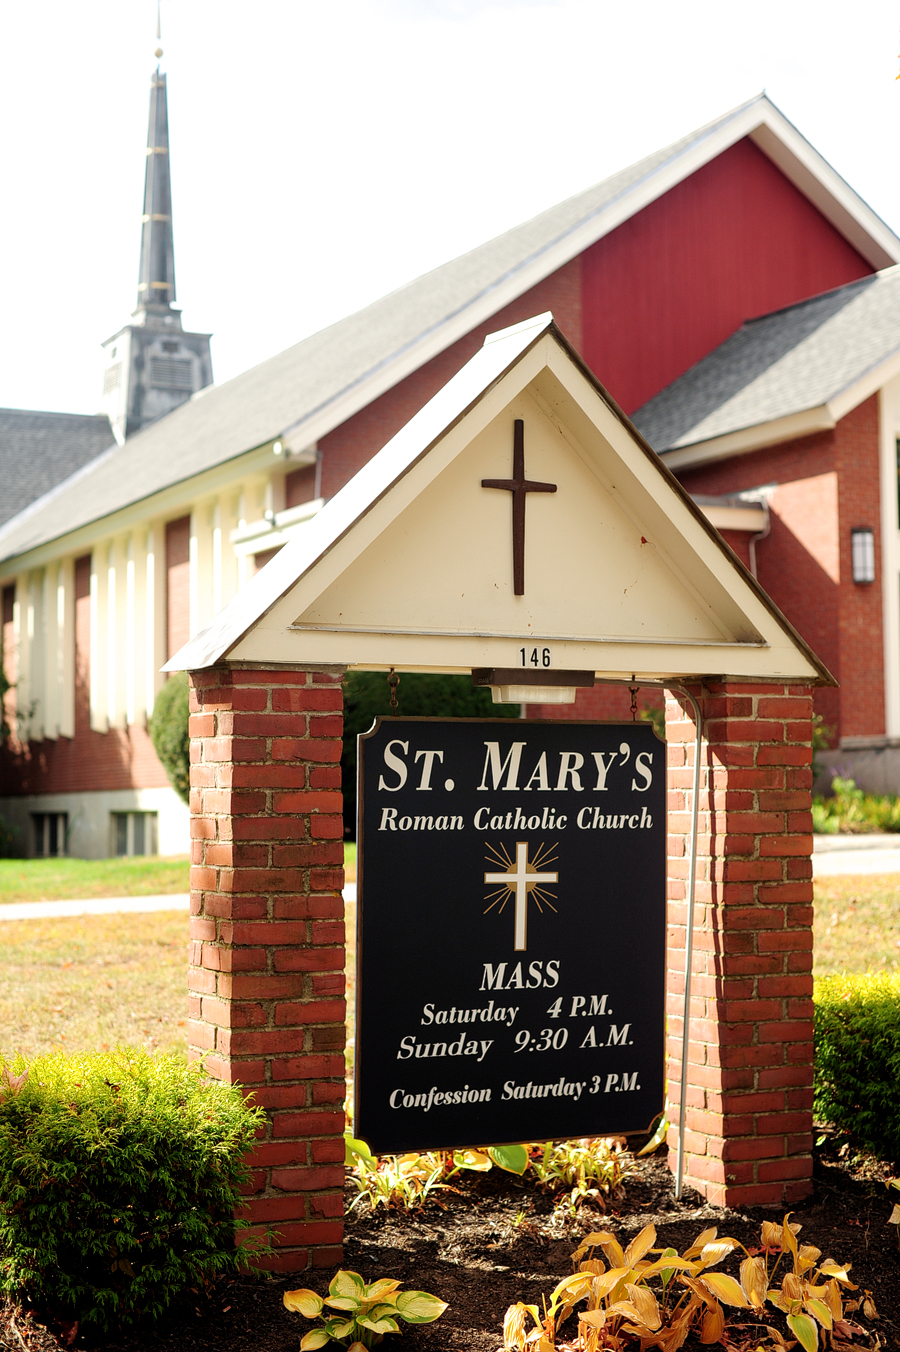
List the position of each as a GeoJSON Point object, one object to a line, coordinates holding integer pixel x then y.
{"type": "Point", "coordinates": [518, 485]}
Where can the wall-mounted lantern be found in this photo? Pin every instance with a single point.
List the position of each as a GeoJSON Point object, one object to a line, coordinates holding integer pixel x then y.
{"type": "Point", "coordinates": [862, 549]}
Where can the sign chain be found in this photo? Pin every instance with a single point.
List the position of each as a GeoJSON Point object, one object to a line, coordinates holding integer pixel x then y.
{"type": "Point", "coordinates": [633, 689]}
{"type": "Point", "coordinates": [393, 681]}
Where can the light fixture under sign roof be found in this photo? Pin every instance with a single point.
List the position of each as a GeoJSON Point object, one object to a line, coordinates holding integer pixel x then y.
{"type": "Point", "coordinates": [518, 685]}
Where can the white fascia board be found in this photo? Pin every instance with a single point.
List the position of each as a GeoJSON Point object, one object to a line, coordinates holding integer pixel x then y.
{"type": "Point", "coordinates": [724, 516]}
{"type": "Point", "coordinates": [178, 498]}
{"type": "Point", "coordinates": [812, 175]}
{"type": "Point", "coordinates": [802, 424]}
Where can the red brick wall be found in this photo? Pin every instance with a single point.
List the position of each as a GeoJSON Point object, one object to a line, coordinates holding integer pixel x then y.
{"type": "Point", "coordinates": [8, 648]}
{"type": "Point", "coordinates": [120, 759]}
{"type": "Point", "coordinates": [734, 240]}
{"type": "Point", "coordinates": [178, 584]}
{"type": "Point", "coordinates": [841, 620]}
{"type": "Point", "coordinates": [748, 1137]}
{"type": "Point", "coordinates": [300, 486]}
{"type": "Point", "coordinates": [267, 936]}
{"type": "Point", "coordinates": [348, 447]}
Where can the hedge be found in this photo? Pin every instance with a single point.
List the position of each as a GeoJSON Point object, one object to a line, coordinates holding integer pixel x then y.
{"type": "Point", "coordinates": [857, 1061]}
{"type": "Point", "coordinates": [119, 1175]}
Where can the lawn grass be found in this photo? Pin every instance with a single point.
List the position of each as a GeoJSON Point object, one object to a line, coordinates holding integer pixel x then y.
{"type": "Point", "coordinates": [857, 924]}
{"type": "Point", "coordinates": [142, 876]}
{"type": "Point", "coordinates": [93, 981]}
{"type": "Point", "coordinates": [87, 981]}
{"type": "Point", "coordinates": [63, 879]}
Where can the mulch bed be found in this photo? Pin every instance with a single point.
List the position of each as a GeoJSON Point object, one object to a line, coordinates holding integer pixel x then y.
{"type": "Point", "coordinates": [494, 1240]}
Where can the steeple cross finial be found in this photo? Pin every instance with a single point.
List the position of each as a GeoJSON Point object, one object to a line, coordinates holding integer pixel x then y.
{"type": "Point", "coordinates": [518, 485]}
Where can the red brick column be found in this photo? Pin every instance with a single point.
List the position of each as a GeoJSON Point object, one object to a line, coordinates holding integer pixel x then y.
{"type": "Point", "coordinates": [267, 935]}
{"type": "Point", "coordinates": [748, 1136]}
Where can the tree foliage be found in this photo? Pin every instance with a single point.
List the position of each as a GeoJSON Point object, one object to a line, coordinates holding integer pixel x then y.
{"type": "Point", "coordinates": [169, 733]}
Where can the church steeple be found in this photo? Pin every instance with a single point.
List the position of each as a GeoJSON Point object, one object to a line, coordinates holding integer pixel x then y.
{"type": "Point", "coordinates": [156, 274]}
{"type": "Point", "coordinates": [151, 366]}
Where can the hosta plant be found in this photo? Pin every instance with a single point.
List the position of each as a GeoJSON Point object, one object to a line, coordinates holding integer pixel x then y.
{"type": "Point", "coordinates": [658, 1298]}
{"type": "Point", "coordinates": [364, 1314]}
{"type": "Point", "coordinates": [406, 1181]}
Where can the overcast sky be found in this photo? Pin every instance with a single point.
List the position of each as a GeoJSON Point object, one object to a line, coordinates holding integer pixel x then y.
{"type": "Point", "coordinates": [324, 153]}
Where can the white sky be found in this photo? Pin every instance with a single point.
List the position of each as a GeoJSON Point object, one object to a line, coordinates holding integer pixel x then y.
{"type": "Point", "coordinates": [324, 153]}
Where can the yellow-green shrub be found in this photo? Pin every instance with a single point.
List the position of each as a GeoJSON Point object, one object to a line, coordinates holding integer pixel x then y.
{"type": "Point", "coordinates": [857, 1061]}
{"type": "Point", "coordinates": [119, 1174]}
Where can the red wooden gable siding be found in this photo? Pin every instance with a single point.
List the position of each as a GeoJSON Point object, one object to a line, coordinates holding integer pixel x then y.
{"type": "Point", "coordinates": [734, 240]}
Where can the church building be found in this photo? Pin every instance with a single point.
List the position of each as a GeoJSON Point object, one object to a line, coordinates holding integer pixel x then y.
{"type": "Point", "coordinates": [733, 294]}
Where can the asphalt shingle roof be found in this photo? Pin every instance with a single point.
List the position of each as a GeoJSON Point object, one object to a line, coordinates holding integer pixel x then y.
{"type": "Point", "coordinates": [40, 450]}
{"type": "Point", "coordinates": [786, 362]}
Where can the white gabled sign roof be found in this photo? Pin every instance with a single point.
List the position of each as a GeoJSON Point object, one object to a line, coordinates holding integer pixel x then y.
{"type": "Point", "coordinates": [411, 564]}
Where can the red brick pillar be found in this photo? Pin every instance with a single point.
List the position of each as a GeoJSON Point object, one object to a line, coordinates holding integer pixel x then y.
{"type": "Point", "coordinates": [748, 1137]}
{"type": "Point", "coordinates": [267, 936]}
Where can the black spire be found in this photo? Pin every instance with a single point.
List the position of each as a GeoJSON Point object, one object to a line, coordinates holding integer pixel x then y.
{"type": "Point", "coordinates": [156, 275]}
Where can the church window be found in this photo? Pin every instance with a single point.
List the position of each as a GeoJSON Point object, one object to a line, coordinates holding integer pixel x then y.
{"type": "Point", "coordinates": [51, 830]}
{"type": "Point", "coordinates": [170, 347]}
{"type": "Point", "coordinates": [133, 833]}
{"type": "Point", "coordinates": [111, 377]}
{"type": "Point", "coordinates": [171, 373]}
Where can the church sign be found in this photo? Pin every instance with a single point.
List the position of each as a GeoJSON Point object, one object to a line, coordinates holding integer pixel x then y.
{"type": "Point", "coordinates": [511, 931]}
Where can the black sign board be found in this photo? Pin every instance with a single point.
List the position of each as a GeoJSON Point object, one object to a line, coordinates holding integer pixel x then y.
{"type": "Point", "coordinates": [511, 931]}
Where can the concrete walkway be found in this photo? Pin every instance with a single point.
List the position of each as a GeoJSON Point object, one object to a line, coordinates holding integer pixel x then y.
{"type": "Point", "coordinates": [836, 855]}
{"type": "Point", "coordinates": [49, 910]}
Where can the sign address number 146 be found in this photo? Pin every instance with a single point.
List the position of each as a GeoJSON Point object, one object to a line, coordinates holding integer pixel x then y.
{"type": "Point", "coordinates": [535, 657]}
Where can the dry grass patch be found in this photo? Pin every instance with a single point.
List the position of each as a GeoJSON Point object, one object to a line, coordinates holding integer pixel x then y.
{"type": "Point", "coordinates": [857, 924]}
{"type": "Point", "coordinates": [93, 981]}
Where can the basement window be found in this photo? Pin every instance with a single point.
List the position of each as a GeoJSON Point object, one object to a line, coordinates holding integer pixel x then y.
{"type": "Point", "coordinates": [51, 833]}
{"type": "Point", "coordinates": [133, 833]}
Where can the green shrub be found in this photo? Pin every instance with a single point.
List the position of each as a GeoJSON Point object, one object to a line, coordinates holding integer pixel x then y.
{"type": "Point", "coordinates": [169, 732]}
{"type": "Point", "coordinates": [119, 1174]}
{"type": "Point", "coordinates": [852, 812]}
{"type": "Point", "coordinates": [367, 694]}
{"type": "Point", "coordinates": [857, 1063]}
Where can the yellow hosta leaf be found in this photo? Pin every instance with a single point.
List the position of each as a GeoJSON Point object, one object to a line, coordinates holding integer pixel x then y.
{"type": "Point", "coordinates": [343, 1303]}
{"type": "Point", "coordinates": [595, 1318]}
{"type": "Point", "coordinates": [385, 1325]}
{"type": "Point", "coordinates": [418, 1307]}
{"type": "Point", "coordinates": [593, 1265]}
{"type": "Point", "coordinates": [837, 1270]}
{"type": "Point", "coordinates": [868, 1307]}
{"type": "Point", "coordinates": [345, 1283]}
{"type": "Point", "coordinates": [704, 1237]}
{"type": "Point", "coordinates": [479, 1160]}
{"type": "Point", "coordinates": [770, 1235]}
{"type": "Point", "coordinates": [792, 1286]}
{"type": "Point", "coordinates": [789, 1238]}
{"type": "Point", "coordinates": [574, 1287]}
{"type": "Point", "coordinates": [340, 1328]}
{"type": "Point", "coordinates": [303, 1302]}
{"type": "Point", "coordinates": [357, 1347]}
{"type": "Point", "coordinates": [590, 1242]}
{"type": "Point", "coordinates": [381, 1290]}
{"type": "Point", "coordinates": [724, 1288]}
{"type": "Point", "coordinates": [712, 1325]}
{"type": "Point", "coordinates": [833, 1299]}
{"type": "Point", "coordinates": [805, 1331]}
{"type": "Point", "coordinates": [809, 1256]}
{"type": "Point", "coordinates": [646, 1305]}
{"type": "Point", "coordinates": [514, 1326]}
{"type": "Point", "coordinates": [639, 1246]}
{"type": "Point", "coordinates": [820, 1311]}
{"type": "Point", "coordinates": [607, 1282]}
{"type": "Point", "coordinates": [894, 1218]}
{"type": "Point", "coordinates": [713, 1253]}
{"type": "Point", "coordinates": [754, 1281]}
{"type": "Point", "coordinates": [315, 1338]}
